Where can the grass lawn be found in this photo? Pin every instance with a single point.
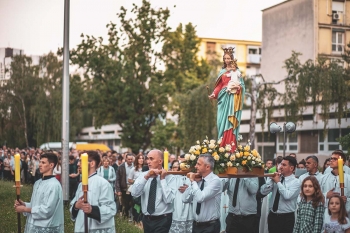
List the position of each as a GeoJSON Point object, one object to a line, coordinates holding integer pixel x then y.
{"type": "Point", "coordinates": [8, 217]}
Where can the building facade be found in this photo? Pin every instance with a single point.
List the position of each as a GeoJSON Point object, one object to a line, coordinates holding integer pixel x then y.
{"type": "Point", "coordinates": [313, 28]}
{"type": "Point", "coordinates": [247, 53]}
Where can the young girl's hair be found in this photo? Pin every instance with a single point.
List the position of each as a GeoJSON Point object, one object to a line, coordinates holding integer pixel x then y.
{"type": "Point", "coordinates": [342, 212]}
{"type": "Point", "coordinates": [317, 197]}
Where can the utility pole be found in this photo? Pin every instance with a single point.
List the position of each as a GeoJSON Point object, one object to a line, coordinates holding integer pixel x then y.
{"type": "Point", "coordinates": [65, 105]}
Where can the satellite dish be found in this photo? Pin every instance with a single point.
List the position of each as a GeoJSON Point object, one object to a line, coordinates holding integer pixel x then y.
{"type": "Point", "coordinates": [274, 128]}
{"type": "Point", "coordinates": [290, 127]}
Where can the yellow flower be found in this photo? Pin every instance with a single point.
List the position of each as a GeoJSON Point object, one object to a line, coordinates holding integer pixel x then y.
{"type": "Point", "coordinates": [227, 155]}
{"type": "Point", "coordinates": [182, 165]}
{"type": "Point", "coordinates": [229, 164]}
{"type": "Point", "coordinates": [215, 154]}
{"type": "Point", "coordinates": [254, 153]}
{"type": "Point", "coordinates": [221, 149]}
{"type": "Point", "coordinates": [240, 147]}
{"type": "Point", "coordinates": [246, 153]}
{"type": "Point", "coordinates": [204, 150]}
{"type": "Point", "coordinates": [216, 157]}
{"type": "Point", "coordinates": [247, 148]}
{"type": "Point", "coordinates": [232, 157]}
{"type": "Point", "coordinates": [244, 162]}
{"type": "Point", "coordinates": [197, 152]}
{"type": "Point", "coordinates": [241, 153]}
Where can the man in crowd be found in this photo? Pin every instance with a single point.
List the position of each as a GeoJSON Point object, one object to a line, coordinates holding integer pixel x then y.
{"type": "Point", "coordinates": [156, 193]}
{"type": "Point", "coordinates": [100, 207]}
{"type": "Point", "coordinates": [268, 165]}
{"type": "Point", "coordinates": [171, 159]}
{"type": "Point", "coordinates": [345, 168]}
{"type": "Point", "coordinates": [330, 181]}
{"type": "Point", "coordinates": [277, 162]}
{"type": "Point", "coordinates": [205, 194]}
{"type": "Point", "coordinates": [242, 211]}
{"type": "Point", "coordinates": [122, 184]}
{"type": "Point", "coordinates": [7, 167]}
{"type": "Point", "coordinates": [45, 210]}
{"type": "Point", "coordinates": [312, 169]}
{"type": "Point", "coordinates": [285, 189]}
{"type": "Point", "coordinates": [73, 174]}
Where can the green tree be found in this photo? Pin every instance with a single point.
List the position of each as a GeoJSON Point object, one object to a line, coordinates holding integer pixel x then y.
{"type": "Point", "coordinates": [126, 87]}
{"type": "Point", "coordinates": [166, 135]}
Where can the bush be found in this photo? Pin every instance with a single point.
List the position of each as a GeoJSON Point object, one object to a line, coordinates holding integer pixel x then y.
{"type": "Point", "coordinates": [8, 217]}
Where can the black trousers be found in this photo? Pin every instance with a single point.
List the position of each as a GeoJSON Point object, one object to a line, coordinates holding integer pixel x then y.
{"type": "Point", "coordinates": [127, 203]}
{"type": "Point", "coordinates": [7, 175]}
{"type": "Point", "coordinates": [241, 223]}
{"type": "Point", "coordinates": [157, 224]}
{"type": "Point", "coordinates": [212, 227]}
{"type": "Point", "coordinates": [73, 185]}
{"type": "Point", "coordinates": [278, 223]}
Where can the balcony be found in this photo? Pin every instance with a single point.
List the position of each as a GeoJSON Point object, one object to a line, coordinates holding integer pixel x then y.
{"type": "Point", "coordinates": [254, 58]}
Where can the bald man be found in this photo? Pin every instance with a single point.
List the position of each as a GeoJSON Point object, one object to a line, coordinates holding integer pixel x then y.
{"type": "Point", "coordinates": [156, 193]}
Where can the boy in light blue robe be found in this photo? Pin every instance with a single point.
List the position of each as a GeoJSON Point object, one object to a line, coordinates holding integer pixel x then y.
{"type": "Point", "coordinates": [100, 207]}
{"type": "Point", "coordinates": [44, 212]}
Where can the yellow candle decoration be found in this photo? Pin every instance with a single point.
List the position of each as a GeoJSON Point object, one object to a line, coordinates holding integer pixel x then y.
{"type": "Point", "coordinates": [84, 169]}
{"type": "Point", "coordinates": [341, 170]}
{"type": "Point", "coordinates": [166, 160]}
{"type": "Point", "coordinates": [17, 167]}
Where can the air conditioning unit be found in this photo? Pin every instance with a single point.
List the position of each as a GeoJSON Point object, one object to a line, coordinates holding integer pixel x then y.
{"type": "Point", "coordinates": [335, 16]}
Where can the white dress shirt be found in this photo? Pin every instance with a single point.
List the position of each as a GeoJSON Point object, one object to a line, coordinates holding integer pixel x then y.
{"type": "Point", "coordinates": [289, 192]}
{"type": "Point", "coordinates": [209, 197]}
{"type": "Point", "coordinates": [164, 197]}
{"type": "Point", "coordinates": [330, 181]}
{"type": "Point", "coordinates": [318, 175]}
{"type": "Point", "coordinates": [246, 201]}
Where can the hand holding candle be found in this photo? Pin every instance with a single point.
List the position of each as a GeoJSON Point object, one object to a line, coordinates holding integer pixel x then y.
{"type": "Point", "coordinates": [341, 170]}
{"type": "Point", "coordinates": [17, 167]}
{"type": "Point", "coordinates": [84, 169]}
{"type": "Point", "coordinates": [166, 160]}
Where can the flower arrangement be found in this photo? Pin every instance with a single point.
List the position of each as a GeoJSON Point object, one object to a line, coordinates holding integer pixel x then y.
{"type": "Point", "coordinates": [223, 156]}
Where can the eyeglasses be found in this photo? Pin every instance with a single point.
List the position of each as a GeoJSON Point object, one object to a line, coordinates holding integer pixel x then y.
{"type": "Point", "coordinates": [333, 159]}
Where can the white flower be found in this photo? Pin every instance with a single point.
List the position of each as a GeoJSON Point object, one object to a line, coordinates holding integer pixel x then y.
{"type": "Point", "coordinates": [205, 141]}
{"type": "Point", "coordinates": [192, 157]}
{"type": "Point", "coordinates": [232, 157]}
{"type": "Point", "coordinates": [229, 164]}
{"type": "Point", "coordinates": [198, 142]}
{"type": "Point", "coordinates": [192, 149]}
{"type": "Point", "coordinates": [219, 141]}
{"type": "Point", "coordinates": [187, 156]}
{"type": "Point", "coordinates": [232, 143]}
{"type": "Point", "coordinates": [249, 142]}
{"type": "Point", "coordinates": [197, 147]}
{"type": "Point", "coordinates": [244, 157]}
{"type": "Point", "coordinates": [221, 149]}
{"type": "Point", "coordinates": [211, 145]}
{"type": "Point", "coordinates": [228, 148]}
{"type": "Point", "coordinates": [237, 164]}
{"type": "Point", "coordinates": [240, 137]}
{"type": "Point", "coordinates": [188, 166]}
{"type": "Point", "coordinates": [205, 146]}
{"type": "Point", "coordinates": [227, 155]}
{"type": "Point", "coordinates": [253, 162]}
{"type": "Point", "coordinates": [259, 163]}
{"type": "Point", "coordinates": [210, 151]}
{"type": "Point", "coordinates": [222, 164]}
{"type": "Point", "coordinates": [212, 141]}
{"type": "Point", "coordinates": [249, 158]}
{"type": "Point", "coordinates": [253, 158]}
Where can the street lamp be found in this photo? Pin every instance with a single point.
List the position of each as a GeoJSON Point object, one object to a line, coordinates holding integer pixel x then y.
{"type": "Point", "coordinates": [288, 127]}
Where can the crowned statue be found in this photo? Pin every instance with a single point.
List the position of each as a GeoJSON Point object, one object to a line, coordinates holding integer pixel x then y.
{"type": "Point", "coordinates": [229, 91]}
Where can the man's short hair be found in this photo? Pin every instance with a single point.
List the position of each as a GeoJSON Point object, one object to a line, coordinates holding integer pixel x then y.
{"type": "Point", "coordinates": [129, 154]}
{"type": "Point", "coordinates": [291, 160]}
{"type": "Point", "coordinates": [340, 153]}
{"type": "Point", "coordinates": [278, 160]}
{"type": "Point", "coordinates": [209, 159]}
{"type": "Point", "coordinates": [71, 157]}
{"type": "Point", "coordinates": [269, 160]}
{"type": "Point", "coordinates": [93, 155]}
{"type": "Point", "coordinates": [51, 157]}
{"type": "Point", "coordinates": [313, 157]}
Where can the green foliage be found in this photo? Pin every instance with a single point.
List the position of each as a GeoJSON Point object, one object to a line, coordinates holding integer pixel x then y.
{"type": "Point", "coordinates": [322, 82]}
{"type": "Point", "coordinates": [8, 217]}
{"type": "Point", "coordinates": [126, 87]}
{"type": "Point", "coordinates": [345, 143]}
{"type": "Point", "coordinates": [166, 135]}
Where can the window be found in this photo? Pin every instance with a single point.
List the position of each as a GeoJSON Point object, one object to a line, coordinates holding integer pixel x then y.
{"type": "Point", "coordinates": [309, 141]}
{"type": "Point", "coordinates": [211, 46]}
{"type": "Point", "coordinates": [291, 142]}
{"type": "Point", "coordinates": [337, 41]}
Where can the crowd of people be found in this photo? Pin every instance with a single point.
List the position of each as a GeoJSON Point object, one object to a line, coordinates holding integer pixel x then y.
{"type": "Point", "coordinates": [138, 187]}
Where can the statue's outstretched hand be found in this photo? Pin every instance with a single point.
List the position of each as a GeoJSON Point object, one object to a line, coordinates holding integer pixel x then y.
{"type": "Point", "coordinates": [212, 96]}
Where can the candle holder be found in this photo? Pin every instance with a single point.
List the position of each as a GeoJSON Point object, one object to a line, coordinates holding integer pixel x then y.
{"type": "Point", "coordinates": [18, 194]}
{"type": "Point", "coordinates": [85, 190]}
{"type": "Point", "coordinates": [341, 185]}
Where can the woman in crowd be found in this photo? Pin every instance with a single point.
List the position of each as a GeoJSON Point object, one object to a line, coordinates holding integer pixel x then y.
{"type": "Point", "coordinates": [34, 165]}
{"type": "Point", "coordinates": [326, 164]}
{"type": "Point", "coordinates": [175, 165]}
{"type": "Point", "coordinates": [107, 171]}
{"type": "Point", "coordinates": [302, 164]}
{"type": "Point", "coordinates": [311, 208]}
{"type": "Point", "coordinates": [58, 169]}
{"type": "Point", "coordinates": [135, 172]}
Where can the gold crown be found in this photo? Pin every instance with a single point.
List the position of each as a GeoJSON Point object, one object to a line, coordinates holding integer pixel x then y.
{"type": "Point", "coordinates": [228, 50]}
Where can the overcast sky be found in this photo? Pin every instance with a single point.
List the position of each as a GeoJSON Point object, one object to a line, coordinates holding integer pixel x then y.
{"type": "Point", "coordinates": [36, 26]}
